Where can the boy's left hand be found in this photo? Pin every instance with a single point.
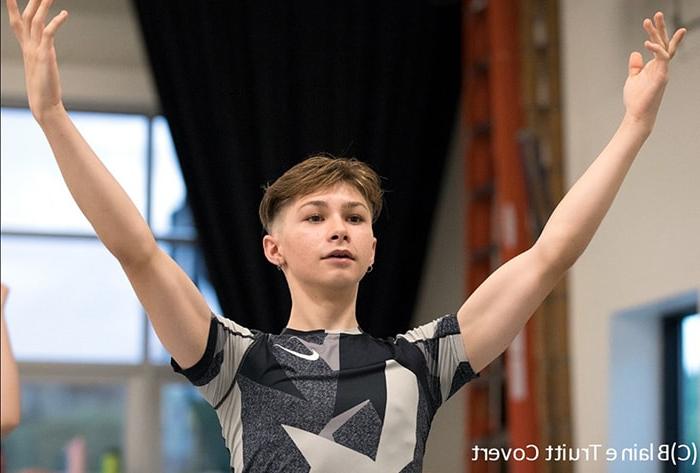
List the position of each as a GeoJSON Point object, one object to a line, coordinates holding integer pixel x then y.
{"type": "Point", "coordinates": [645, 83]}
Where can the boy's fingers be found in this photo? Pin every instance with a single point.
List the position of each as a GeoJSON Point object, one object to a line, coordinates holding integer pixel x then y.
{"type": "Point", "coordinates": [658, 50]}
{"type": "Point", "coordinates": [675, 41]}
{"type": "Point", "coordinates": [13, 11]}
{"type": "Point", "coordinates": [661, 27]}
{"type": "Point", "coordinates": [40, 18]}
{"type": "Point", "coordinates": [52, 27]}
{"type": "Point", "coordinates": [651, 31]}
{"type": "Point", "coordinates": [42, 11]}
{"type": "Point", "coordinates": [30, 9]}
{"type": "Point", "coordinates": [635, 64]}
{"type": "Point", "coordinates": [15, 17]}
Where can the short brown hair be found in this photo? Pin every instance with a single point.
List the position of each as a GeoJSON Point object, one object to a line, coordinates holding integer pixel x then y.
{"type": "Point", "coordinates": [315, 173]}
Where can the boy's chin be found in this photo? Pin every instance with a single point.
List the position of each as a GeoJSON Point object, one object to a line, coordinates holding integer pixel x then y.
{"type": "Point", "coordinates": [338, 282]}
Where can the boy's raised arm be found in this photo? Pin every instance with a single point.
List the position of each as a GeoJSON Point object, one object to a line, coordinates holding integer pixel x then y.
{"type": "Point", "coordinates": [177, 310]}
{"type": "Point", "coordinates": [494, 314]}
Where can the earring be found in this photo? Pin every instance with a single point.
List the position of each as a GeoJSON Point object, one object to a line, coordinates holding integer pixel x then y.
{"type": "Point", "coordinates": [371, 267]}
{"type": "Point", "coordinates": [279, 267]}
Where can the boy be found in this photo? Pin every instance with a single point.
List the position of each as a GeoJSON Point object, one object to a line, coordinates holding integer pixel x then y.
{"type": "Point", "coordinates": [323, 395]}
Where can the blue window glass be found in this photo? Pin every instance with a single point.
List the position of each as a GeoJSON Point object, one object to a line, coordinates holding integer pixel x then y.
{"type": "Point", "coordinates": [33, 194]}
{"type": "Point", "coordinates": [690, 383]}
{"type": "Point", "coordinates": [169, 194]}
{"type": "Point", "coordinates": [72, 286]}
{"type": "Point", "coordinates": [69, 302]}
{"type": "Point", "coordinates": [57, 418]}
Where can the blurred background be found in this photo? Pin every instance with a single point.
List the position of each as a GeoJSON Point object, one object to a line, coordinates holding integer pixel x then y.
{"type": "Point", "coordinates": [194, 108]}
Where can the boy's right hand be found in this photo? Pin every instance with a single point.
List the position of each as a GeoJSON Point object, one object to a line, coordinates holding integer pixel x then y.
{"type": "Point", "coordinates": [36, 38]}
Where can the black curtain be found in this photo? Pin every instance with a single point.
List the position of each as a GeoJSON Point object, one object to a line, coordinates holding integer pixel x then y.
{"type": "Point", "coordinates": [252, 87]}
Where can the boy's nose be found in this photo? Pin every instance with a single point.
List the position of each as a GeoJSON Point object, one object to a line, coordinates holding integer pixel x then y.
{"type": "Point", "coordinates": [339, 231]}
{"type": "Point", "coordinates": [340, 234]}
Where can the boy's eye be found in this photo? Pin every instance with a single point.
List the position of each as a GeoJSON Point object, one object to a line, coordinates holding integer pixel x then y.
{"type": "Point", "coordinates": [356, 218]}
{"type": "Point", "coordinates": [314, 218]}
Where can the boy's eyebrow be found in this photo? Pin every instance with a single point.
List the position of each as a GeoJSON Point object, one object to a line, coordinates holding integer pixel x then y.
{"type": "Point", "coordinates": [323, 203]}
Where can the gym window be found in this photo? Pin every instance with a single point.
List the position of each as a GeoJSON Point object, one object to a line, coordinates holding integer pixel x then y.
{"type": "Point", "coordinates": [91, 368]}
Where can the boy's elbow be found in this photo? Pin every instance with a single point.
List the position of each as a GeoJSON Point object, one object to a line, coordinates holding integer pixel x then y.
{"type": "Point", "coordinates": [135, 252]}
{"type": "Point", "coordinates": [557, 257]}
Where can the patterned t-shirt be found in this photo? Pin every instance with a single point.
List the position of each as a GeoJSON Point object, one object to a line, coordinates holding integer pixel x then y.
{"type": "Point", "coordinates": [325, 401]}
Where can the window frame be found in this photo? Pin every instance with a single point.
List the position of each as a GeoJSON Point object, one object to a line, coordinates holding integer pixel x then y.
{"type": "Point", "coordinates": [673, 379]}
{"type": "Point", "coordinates": [143, 381]}
{"type": "Point", "coordinates": [636, 371]}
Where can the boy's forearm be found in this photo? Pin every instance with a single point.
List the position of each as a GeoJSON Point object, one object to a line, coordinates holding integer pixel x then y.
{"type": "Point", "coordinates": [575, 220]}
{"type": "Point", "coordinates": [102, 200]}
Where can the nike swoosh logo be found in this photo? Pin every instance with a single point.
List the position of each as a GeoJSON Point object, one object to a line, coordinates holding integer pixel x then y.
{"type": "Point", "coordinates": [312, 357]}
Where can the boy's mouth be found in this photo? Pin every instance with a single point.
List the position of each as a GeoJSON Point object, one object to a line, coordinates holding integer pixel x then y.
{"type": "Point", "coordinates": [340, 254]}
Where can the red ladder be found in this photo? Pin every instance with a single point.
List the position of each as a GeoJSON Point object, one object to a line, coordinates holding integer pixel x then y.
{"type": "Point", "coordinates": [501, 406]}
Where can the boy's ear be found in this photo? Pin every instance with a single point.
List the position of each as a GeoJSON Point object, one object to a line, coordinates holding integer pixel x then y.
{"type": "Point", "coordinates": [272, 250]}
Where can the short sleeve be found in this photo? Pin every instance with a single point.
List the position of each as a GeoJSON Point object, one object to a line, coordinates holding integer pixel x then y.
{"type": "Point", "coordinates": [440, 342]}
{"type": "Point", "coordinates": [214, 374]}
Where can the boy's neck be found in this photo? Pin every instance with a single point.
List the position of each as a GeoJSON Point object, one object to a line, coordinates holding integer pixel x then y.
{"type": "Point", "coordinates": [323, 309]}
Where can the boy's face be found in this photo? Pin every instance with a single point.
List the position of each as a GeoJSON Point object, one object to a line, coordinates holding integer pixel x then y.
{"type": "Point", "coordinates": [323, 239]}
